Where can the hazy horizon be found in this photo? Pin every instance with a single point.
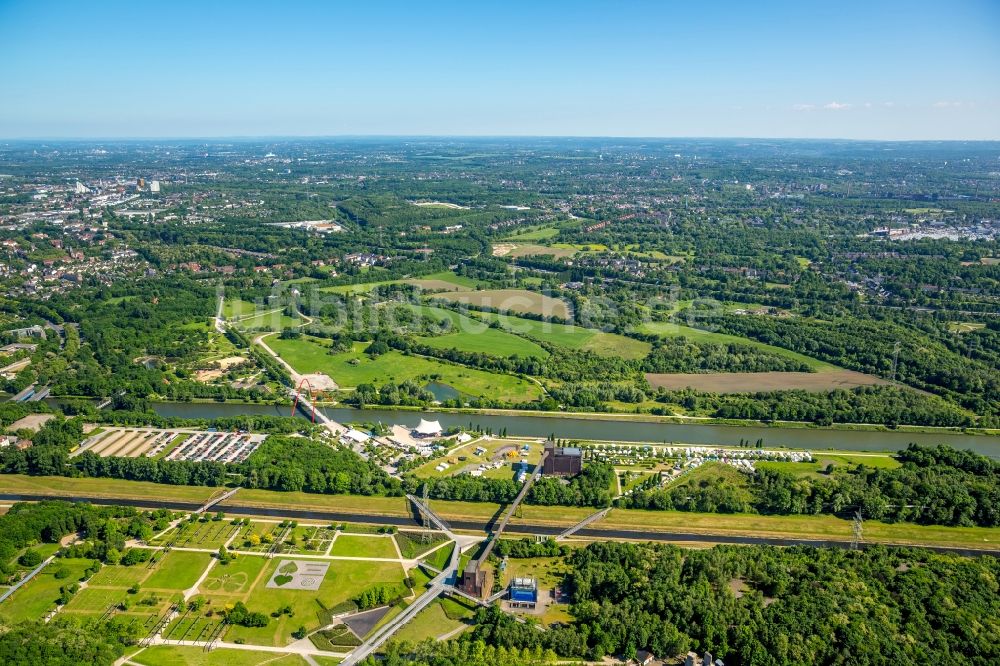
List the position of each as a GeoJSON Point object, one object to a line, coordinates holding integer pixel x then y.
{"type": "Point", "coordinates": [892, 71]}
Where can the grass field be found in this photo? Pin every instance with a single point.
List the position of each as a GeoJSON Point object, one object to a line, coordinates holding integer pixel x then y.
{"type": "Point", "coordinates": [385, 506]}
{"type": "Point", "coordinates": [447, 278]}
{"type": "Point", "coordinates": [414, 544]}
{"type": "Point", "coordinates": [355, 367]}
{"type": "Point", "coordinates": [175, 655]}
{"type": "Point", "coordinates": [234, 307]}
{"type": "Point", "coordinates": [572, 337]}
{"type": "Point", "coordinates": [350, 545]}
{"type": "Point", "coordinates": [840, 461]}
{"type": "Point", "coordinates": [359, 288]}
{"type": "Point", "coordinates": [747, 382]}
{"type": "Point", "coordinates": [518, 249]}
{"type": "Point", "coordinates": [39, 596]}
{"type": "Point", "coordinates": [534, 234]}
{"type": "Point", "coordinates": [669, 330]}
{"type": "Point", "coordinates": [96, 599]}
{"type": "Point", "coordinates": [344, 580]}
{"type": "Point", "coordinates": [512, 300]}
{"type": "Point", "coordinates": [431, 622]}
{"type": "Point", "coordinates": [235, 577]}
{"type": "Point", "coordinates": [117, 575]}
{"type": "Point", "coordinates": [965, 326]}
{"type": "Point", "coordinates": [473, 335]}
{"type": "Point", "coordinates": [549, 571]}
{"type": "Point", "coordinates": [440, 557]}
{"type": "Point", "coordinates": [111, 488]}
{"type": "Point", "coordinates": [269, 321]}
{"type": "Point", "coordinates": [799, 527]}
{"type": "Point", "coordinates": [177, 570]}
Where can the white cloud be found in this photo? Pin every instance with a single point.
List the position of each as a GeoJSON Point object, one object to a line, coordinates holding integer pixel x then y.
{"type": "Point", "coordinates": [946, 105]}
{"type": "Point", "coordinates": [836, 106]}
{"type": "Point", "coordinates": [803, 107]}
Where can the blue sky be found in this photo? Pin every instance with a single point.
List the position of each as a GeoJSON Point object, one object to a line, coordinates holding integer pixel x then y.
{"type": "Point", "coordinates": [845, 69]}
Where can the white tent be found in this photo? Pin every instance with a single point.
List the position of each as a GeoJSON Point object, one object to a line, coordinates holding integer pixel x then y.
{"type": "Point", "coordinates": [356, 436]}
{"type": "Point", "coordinates": [427, 428]}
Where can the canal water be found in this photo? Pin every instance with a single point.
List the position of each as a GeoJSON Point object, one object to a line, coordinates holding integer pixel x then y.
{"type": "Point", "coordinates": [621, 429]}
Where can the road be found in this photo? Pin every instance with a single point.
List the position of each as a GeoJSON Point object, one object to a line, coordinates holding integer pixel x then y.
{"type": "Point", "coordinates": [483, 526]}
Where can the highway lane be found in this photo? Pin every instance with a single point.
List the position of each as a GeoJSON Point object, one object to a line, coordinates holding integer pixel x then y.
{"type": "Point", "coordinates": [483, 526]}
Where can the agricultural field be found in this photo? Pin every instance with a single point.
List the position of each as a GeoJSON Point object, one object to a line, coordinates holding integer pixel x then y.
{"type": "Point", "coordinates": [355, 367]}
{"type": "Point", "coordinates": [512, 300]}
{"type": "Point", "coordinates": [571, 337]}
{"type": "Point", "coordinates": [748, 382]}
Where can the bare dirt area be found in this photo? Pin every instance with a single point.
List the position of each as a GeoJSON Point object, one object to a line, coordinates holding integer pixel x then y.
{"type": "Point", "coordinates": [32, 422]}
{"type": "Point", "coordinates": [321, 382]}
{"type": "Point", "coordinates": [223, 366]}
{"type": "Point", "coordinates": [750, 382]}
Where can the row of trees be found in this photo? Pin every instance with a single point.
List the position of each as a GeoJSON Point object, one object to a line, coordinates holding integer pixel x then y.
{"type": "Point", "coordinates": [592, 487]}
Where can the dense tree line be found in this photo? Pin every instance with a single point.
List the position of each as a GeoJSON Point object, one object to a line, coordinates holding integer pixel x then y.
{"type": "Point", "coordinates": [868, 345]}
{"type": "Point", "coordinates": [682, 355]}
{"type": "Point", "coordinates": [889, 405]}
{"type": "Point", "coordinates": [764, 606]}
{"type": "Point", "coordinates": [68, 640]}
{"type": "Point", "coordinates": [298, 464]}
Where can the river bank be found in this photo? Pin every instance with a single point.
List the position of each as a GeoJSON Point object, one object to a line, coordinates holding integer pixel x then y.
{"type": "Point", "coordinates": [612, 428]}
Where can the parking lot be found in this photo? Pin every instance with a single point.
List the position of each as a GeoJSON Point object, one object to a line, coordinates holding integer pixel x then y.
{"type": "Point", "coordinates": [172, 444]}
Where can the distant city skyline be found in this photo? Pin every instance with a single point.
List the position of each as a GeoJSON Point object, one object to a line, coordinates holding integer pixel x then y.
{"type": "Point", "coordinates": [917, 70]}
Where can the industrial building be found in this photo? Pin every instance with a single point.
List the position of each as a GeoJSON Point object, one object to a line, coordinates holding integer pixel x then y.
{"type": "Point", "coordinates": [562, 460]}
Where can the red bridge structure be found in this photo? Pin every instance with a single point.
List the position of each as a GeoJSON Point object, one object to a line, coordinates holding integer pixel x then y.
{"type": "Point", "coordinates": [313, 396]}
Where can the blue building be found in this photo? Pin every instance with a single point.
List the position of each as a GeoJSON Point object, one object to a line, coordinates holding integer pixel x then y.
{"type": "Point", "coordinates": [523, 593]}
